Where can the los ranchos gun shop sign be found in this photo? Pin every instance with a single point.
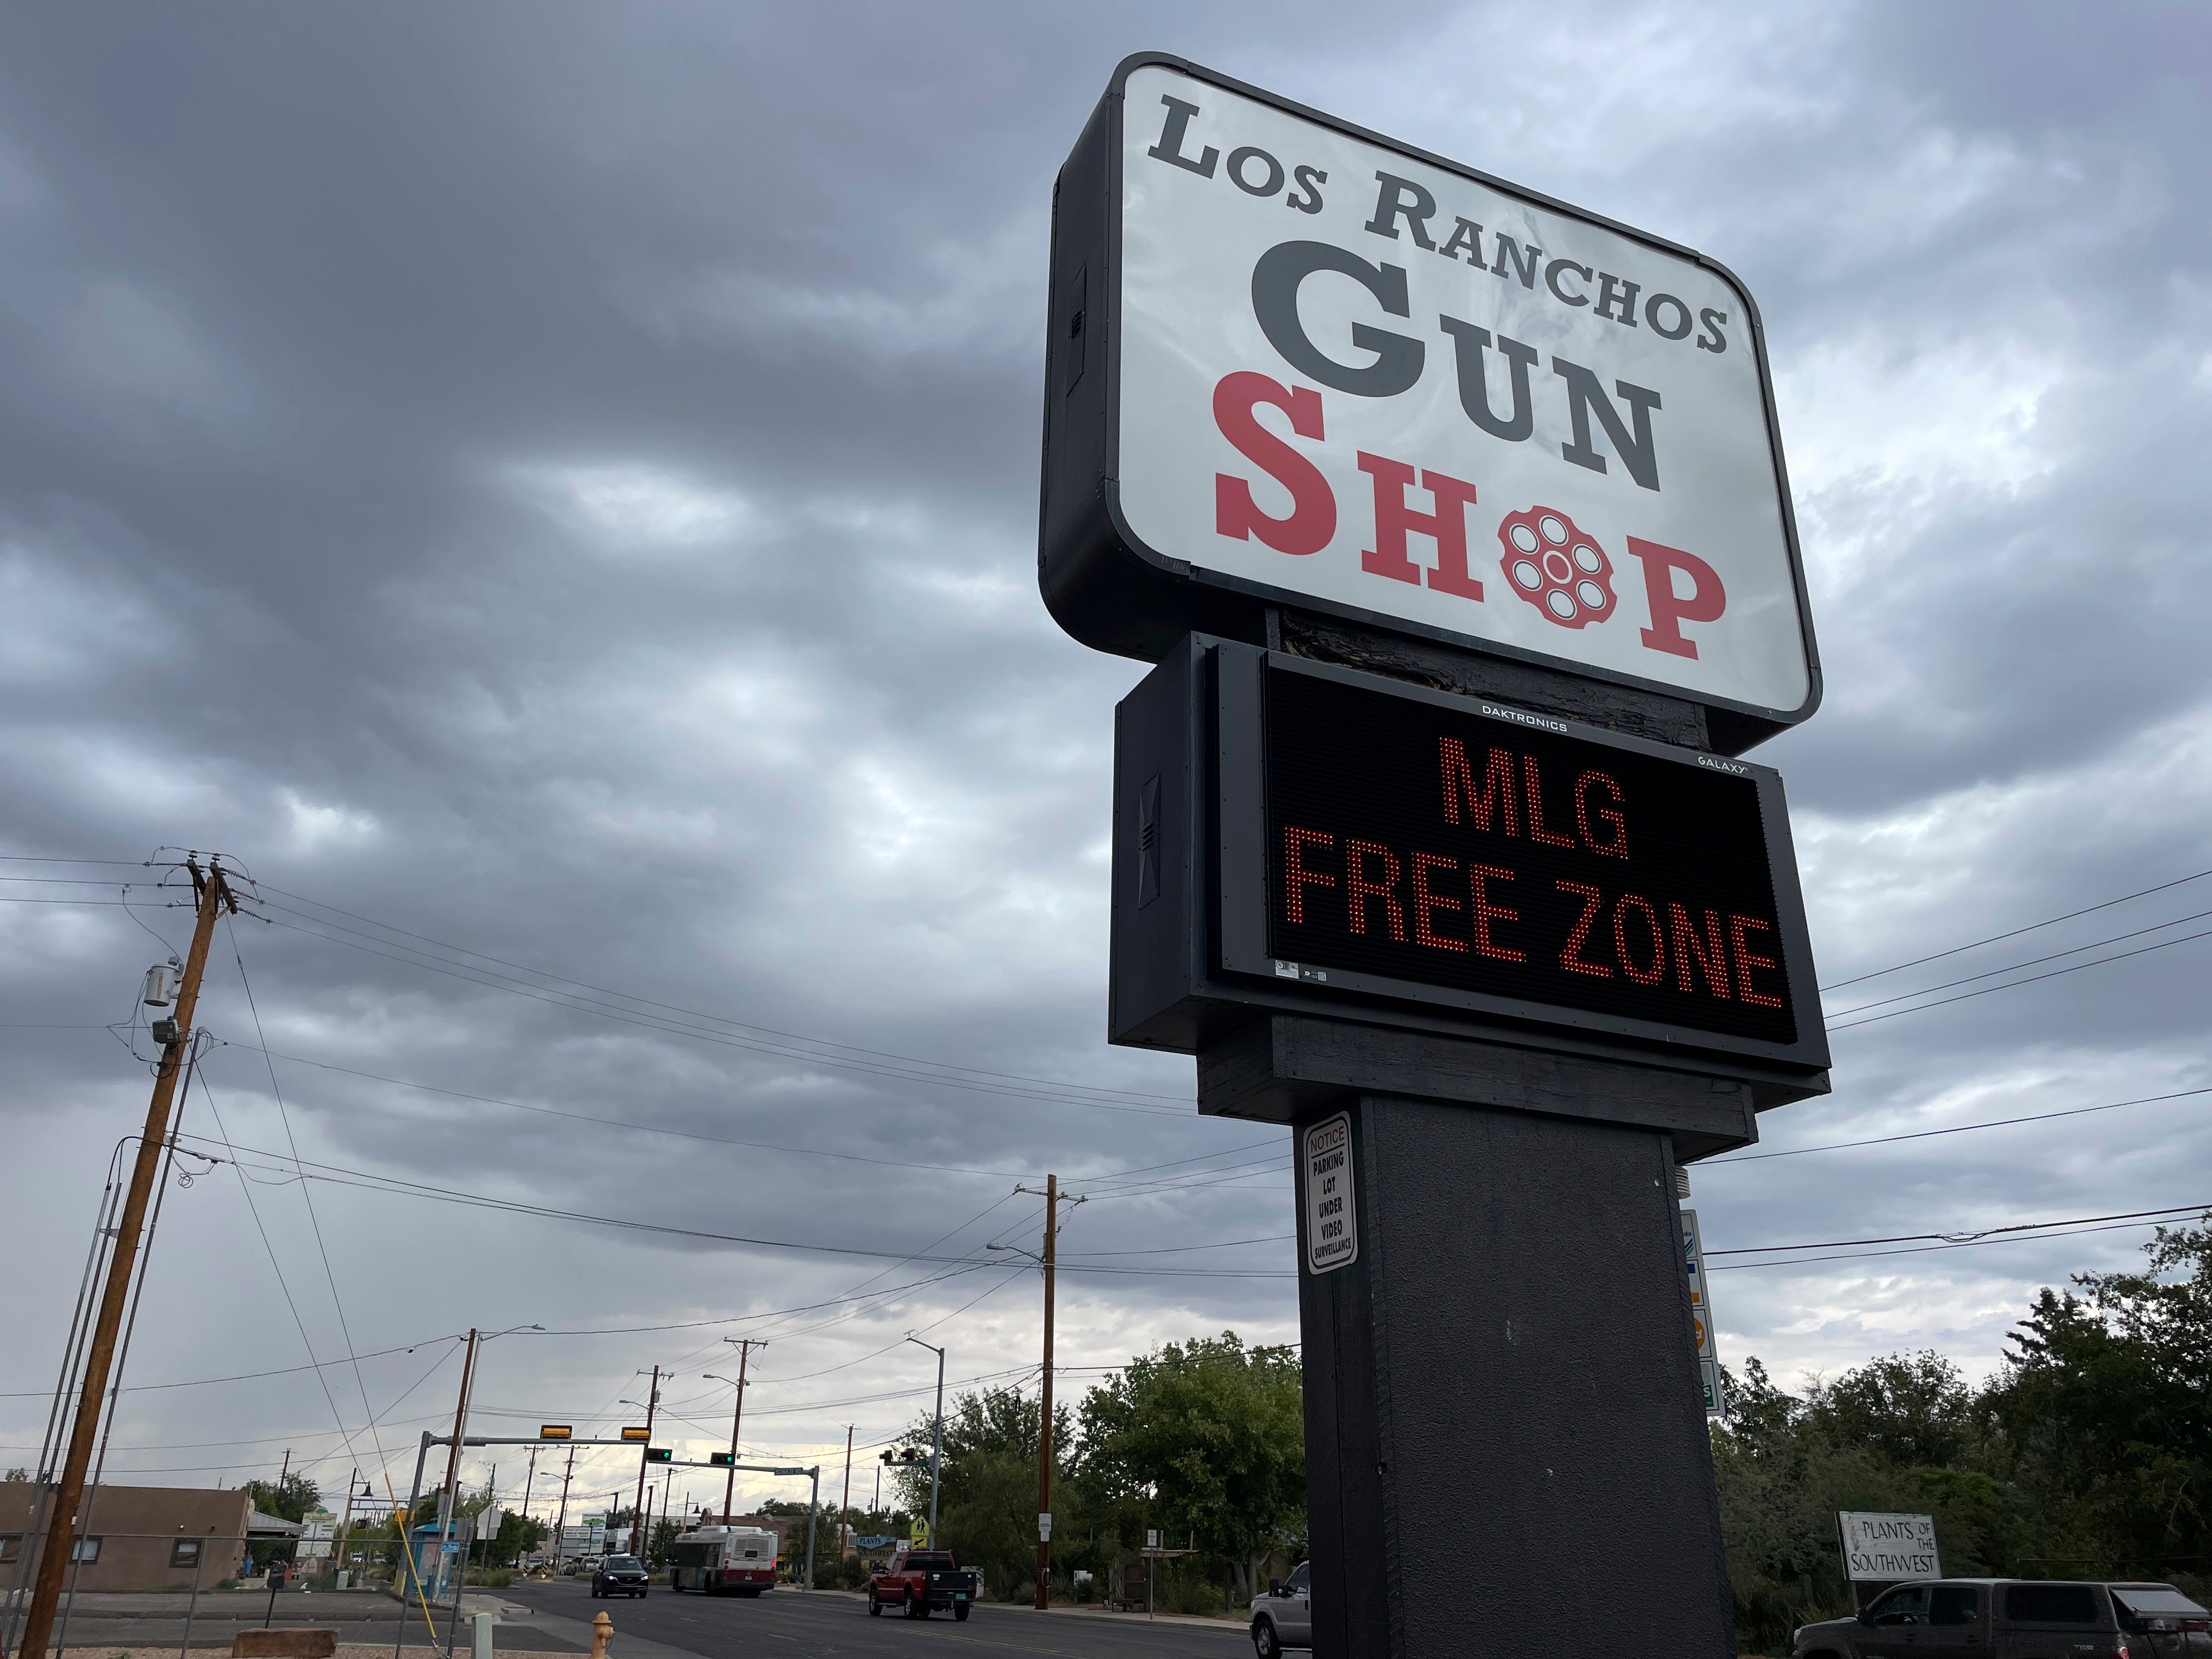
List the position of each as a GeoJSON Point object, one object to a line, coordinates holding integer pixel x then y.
{"type": "Point", "coordinates": [1293, 361]}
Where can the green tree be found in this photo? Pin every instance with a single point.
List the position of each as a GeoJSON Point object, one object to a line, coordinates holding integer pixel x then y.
{"type": "Point", "coordinates": [1211, 1435]}
{"type": "Point", "coordinates": [518, 1536]}
{"type": "Point", "coordinates": [2102, 1418]}
{"type": "Point", "coordinates": [290, 1498]}
{"type": "Point", "coordinates": [1911, 1409]}
{"type": "Point", "coordinates": [988, 1488]}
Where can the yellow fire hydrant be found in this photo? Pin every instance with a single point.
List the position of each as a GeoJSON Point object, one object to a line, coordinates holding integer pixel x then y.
{"type": "Point", "coordinates": [603, 1631]}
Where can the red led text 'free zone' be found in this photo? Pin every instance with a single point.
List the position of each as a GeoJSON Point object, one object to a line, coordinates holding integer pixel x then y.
{"type": "Point", "coordinates": [1468, 906]}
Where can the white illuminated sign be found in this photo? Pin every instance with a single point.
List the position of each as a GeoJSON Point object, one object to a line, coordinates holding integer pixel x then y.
{"type": "Point", "coordinates": [1353, 374]}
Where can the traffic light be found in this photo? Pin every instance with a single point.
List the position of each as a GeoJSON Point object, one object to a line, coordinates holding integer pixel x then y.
{"type": "Point", "coordinates": [555, 1431]}
{"type": "Point", "coordinates": [721, 1460]}
{"type": "Point", "coordinates": [659, 1454]}
{"type": "Point", "coordinates": [637, 1434]}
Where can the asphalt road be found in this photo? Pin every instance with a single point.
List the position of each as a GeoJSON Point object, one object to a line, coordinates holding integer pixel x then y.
{"type": "Point", "coordinates": [788, 1624]}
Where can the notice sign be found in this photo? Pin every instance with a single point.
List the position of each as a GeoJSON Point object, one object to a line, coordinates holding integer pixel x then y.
{"type": "Point", "coordinates": [1450, 843]}
{"type": "Point", "coordinates": [1884, 1548]}
{"type": "Point", "coordinates": [1342, 373]}
{"type": "Point", "coordinates": [1331, 1216]}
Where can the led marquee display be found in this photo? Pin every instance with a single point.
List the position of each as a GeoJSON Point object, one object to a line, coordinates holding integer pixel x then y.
{"type": "Point", "coordinates": [1409, 841]}
{"type": "Point", "coordinates": [1299, 836]}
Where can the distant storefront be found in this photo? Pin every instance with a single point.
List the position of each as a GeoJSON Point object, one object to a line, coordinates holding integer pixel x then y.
{"type": "Point", "coordinates": [142, 1538]}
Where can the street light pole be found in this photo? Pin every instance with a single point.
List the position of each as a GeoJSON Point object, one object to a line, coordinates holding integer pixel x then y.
{"type": "Point", "coordinates": [937, 1434]}
{"type": "Point", "coordinates": [1044, 1416]}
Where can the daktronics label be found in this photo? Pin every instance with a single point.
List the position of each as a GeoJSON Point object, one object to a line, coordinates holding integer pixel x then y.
{"type": "Point", "coordinates": [1354, 375]}
{"type": "Point", "coordinates": [1416, 843]}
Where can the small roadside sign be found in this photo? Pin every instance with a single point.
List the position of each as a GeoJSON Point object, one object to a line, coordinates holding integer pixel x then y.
{"type": "Point", "coordinates": [1881, 1549]}
{"type": "Point", "coordinates": [1331, 1216]}
{"type": "Point", "coordinates": [919, 1532]}
{"type": "Point", "coordinates": [1693, 1262]}
{"type": "Point", "coordinates": [1701, 1316]}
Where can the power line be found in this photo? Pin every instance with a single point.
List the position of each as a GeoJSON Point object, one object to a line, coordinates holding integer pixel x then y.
{"type": "Point", "coordinates": [634, 1126]}
{"type": "Point", "coordinates": [338, 1174]}
{"type": "Point", "coordinates": [2033, 962]}
{"type": "Point", "coordinates": [307, 1197]}
{"type": "Point", "coordinates": [524, 987]}
{"type": "Point", "coordinates": [1967, 1237]}
{"type": "Point", "coordinates": [2030, 927]}
{"type": "Point", "coordinates": [124, 864]}
{"type": "Point", "coordinates": [1928, 1249]}
{"type": "Point", "coordinates": [207, 1092]}
{"type": "Point", "coordinates": [1959, 1129]}
{"type": "Point", "coordinates": [1988, 990]}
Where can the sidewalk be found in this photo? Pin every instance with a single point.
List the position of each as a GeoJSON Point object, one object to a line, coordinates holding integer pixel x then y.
{"type": "Point", "coordinates": [1235, 1626]}
{"type": "Point", "coordinates": [294, 1608]}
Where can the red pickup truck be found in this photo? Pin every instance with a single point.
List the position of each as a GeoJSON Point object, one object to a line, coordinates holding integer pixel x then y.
{"type": "Point", "coordinates": [919, 1582]}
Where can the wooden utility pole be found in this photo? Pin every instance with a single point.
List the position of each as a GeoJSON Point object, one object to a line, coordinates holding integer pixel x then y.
{"type": "Point", "coordinates": [529, 1481]}
{"type": "Point", "coordinates": [746, 1346]}
{"type": "Point", "coordinates": [213, 894]}
{"type": "Point", "coordinates": [637, 1508]}
{"type": "Point", "coordinates": [1044, 1418]}
{"type": "Point", "coordinates": [561, 1518]}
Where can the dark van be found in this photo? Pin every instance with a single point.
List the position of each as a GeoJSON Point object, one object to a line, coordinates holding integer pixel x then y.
{"type": "Point", "coordinates": [2016, 1619]}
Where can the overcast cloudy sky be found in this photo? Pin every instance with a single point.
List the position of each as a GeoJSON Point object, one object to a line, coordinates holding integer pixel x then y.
{"type": "Point", "coordinates": [559, 482]}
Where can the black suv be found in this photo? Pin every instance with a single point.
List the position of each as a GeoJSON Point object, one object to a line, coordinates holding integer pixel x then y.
{"type": "Point", "coordinates": [619, 1575]}
{"type": "Point", "coordinates": [2016, 1619]}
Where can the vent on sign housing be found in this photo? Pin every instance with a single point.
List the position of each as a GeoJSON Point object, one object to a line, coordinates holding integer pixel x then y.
{"type": "Point", "coordinates": [1072, 348]}
{"type": "Point", "coordinates": [1148, 841]}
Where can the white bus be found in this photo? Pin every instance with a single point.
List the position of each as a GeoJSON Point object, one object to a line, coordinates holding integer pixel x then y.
{"type": "Point", "coordinates": [736, 1560]}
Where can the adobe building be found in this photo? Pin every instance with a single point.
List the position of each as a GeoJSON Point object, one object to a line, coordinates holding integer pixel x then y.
{"type": "Point", "coordinates": [146, 1538]}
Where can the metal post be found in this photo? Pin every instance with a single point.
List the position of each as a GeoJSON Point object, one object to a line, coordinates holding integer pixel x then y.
{"type": "Point", "coordinates": [813, 1512]}
{"type": "Point", "coordinates": [345, 1526]}
{"type": "Point", "coordinates": [1044, 1416]}
{"type": "Point", "coordinates": [465, 1528]}
{"type": "Point", "coordinates": [57, 1413]}
{"type": "Point", "coordinates": [192, 1607]}
{"type": "Point", "coordinates": [411, 1573]}
{"type": "Point", "coordinates": [937, 1449]}
{"type": "Point", "coordinates": [123, 1347]}
{"type": "Point", "coordinates": [846, 1508]}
